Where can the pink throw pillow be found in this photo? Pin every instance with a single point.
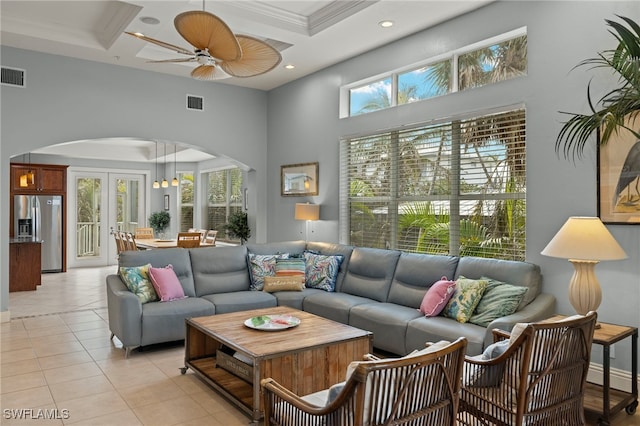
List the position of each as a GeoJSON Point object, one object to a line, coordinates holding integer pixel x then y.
{"type": "Point", "coordinates": [166, 283]}
{"type": "Point", "coordinates": [436, 298]}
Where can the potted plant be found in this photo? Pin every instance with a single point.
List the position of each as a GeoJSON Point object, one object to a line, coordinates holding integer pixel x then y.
{"type": "Point", "coordinates": [616, 105]}
{"type": "Point", "coordinates": [159, 221]}
{"type": "Point", "coordinates": [238, 226]}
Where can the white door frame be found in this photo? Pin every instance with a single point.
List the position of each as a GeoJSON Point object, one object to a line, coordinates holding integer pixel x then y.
{"type": "Point", "coordinates": [108, 255]}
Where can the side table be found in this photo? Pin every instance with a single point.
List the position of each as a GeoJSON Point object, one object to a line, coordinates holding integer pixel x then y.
{"type": "Point", "coordinates": [602, 399]}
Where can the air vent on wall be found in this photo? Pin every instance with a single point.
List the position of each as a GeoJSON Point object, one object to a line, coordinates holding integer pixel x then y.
{"type": "Point", "coordinates": [195, 102]}
{"type": "Point", "coordinates": [12, 77]}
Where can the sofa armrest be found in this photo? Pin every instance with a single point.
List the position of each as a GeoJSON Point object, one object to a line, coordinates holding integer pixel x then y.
{"type": "Point", "coordinates": [542, 307]}
{"type": "Point", "coordinates": [125, 312]}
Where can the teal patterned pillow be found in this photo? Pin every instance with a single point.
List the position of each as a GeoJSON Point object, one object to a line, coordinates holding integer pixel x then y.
{"type": "Point", "coordinates": [499, 300]}
{"type": "Point", "coordinates": [321, 270]}
{"type": "Point", "coordinates": [137, 280]}
{"type": "Point", "coordinates": [464, 301]}
{"type": "Point", "coordinates": [262, 265]}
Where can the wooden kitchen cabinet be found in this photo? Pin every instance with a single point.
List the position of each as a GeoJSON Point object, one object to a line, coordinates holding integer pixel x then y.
{"type": "Point", "coordinates": [48, 179]}
{"type": "Point", "coordinates": [24, 265]}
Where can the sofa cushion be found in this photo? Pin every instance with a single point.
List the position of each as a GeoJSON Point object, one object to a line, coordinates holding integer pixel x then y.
{"type": "Point", "coordinates": [437, 297]}
{"type": "Point", "coordinates": [166, 283]}
{"type": "Point", "coordinates": [294, 299]}
{"type": "Point", "coordinates": [333, 249]}
{"type": "Point", "coordinates": [137, 280]}
{"type": "Point", "coordinates": [321, 270]}
{"type": "Point", "coordinates": [499, 300]}
{"type": "Point", "coordinates": [220, 269]}
{"type": "Point", "coordinates": [164, 322]}
{"type": "Point", "coordinates": [433, 329]}
{"type": "Point", "coordinates": [241, 301]}
{"type": "Point", "coordinates": [509, 271]}
{"type": "Point", "coordinates": [262, 265]}
{"type": "Point", "coordinates": [415, 273]}
{"type": "Point", "coordinates": [370, 273]}
{"type": "Point", "coordinates": [178, 257]}
{"type": "Point", "coordinates": [387, 321]}
{"type": "Point", "coordinates": [464, 301]}
{"type": "Point", "coordinates": [294, 248]}
{"type": "Point", "coordinates": [334, 306]}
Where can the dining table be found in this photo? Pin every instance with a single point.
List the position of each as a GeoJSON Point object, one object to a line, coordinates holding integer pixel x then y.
{"type": "Point", "coordinates": [148, 244]}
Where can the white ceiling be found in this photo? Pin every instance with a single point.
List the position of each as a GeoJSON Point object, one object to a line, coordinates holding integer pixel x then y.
{"type": "Point", "coordinates": [319, 33]}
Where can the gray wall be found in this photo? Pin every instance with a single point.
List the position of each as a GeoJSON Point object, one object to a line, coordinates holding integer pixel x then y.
{"type": "Point", "coordinates": [67, 100]}
{"type": "Point", "coordinates": [304, 126]}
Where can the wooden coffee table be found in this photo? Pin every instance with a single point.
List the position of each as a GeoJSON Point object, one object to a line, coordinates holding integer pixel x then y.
{"type": "Point", "coordinates": [306, 358]}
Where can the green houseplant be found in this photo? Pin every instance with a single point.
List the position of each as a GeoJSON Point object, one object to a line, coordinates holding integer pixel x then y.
{"type": "Point", "coordinates": [159, 221]}
{"type": "Point", "coordinates": [619, 107]}
{"type": "Point", "coordinates": [238, 226]}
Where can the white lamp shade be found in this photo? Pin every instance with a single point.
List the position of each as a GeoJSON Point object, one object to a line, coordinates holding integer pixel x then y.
{"type": "Point", "coordinates": [584, 238]}
{"type": "Point", "coordinates": [306, 211]}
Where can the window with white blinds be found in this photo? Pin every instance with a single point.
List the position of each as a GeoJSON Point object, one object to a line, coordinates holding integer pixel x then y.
{"type": "Point", "coordinates": [456, 187]}
{"type": "Point", "coordinates": [224, 197]}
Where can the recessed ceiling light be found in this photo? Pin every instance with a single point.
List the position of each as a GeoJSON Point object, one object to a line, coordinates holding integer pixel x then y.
{"type": "Point", "coordinates": [289, 66]}
{"type": "Point", "coordinates": [149, 20]}
{"type": "Point", "coordinates": [385, 24]}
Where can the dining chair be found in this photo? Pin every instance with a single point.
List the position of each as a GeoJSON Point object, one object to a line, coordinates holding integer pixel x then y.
{"type": "Point", "coordinates": [537, 378]}
{"type": "Point", "coordinates": [129, 241]}
{"type": "Point", "coordinates": [144, 234]}
{"type": "Point", "coordinates": [188, 239]}
{"type": "Point", "coordinates": [210, 237]}
{"type": "Point", "coordinates": [420, 389]}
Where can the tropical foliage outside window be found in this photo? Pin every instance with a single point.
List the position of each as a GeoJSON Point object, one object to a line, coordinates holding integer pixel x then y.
{"type": "Point", "coordinates": [186, 200]}
{"type": "Point", "coordinates": [224, 197]}
{"type": "Point", "coordinates": [474, 68]}
{"type": "Point", "coordinates": [88, 202]}
{"type": "Point", "coordinates": [457, 187]}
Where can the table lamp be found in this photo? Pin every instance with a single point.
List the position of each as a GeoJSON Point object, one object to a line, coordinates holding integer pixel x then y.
{"type": "Point", "coordinates": [307, 212]}
{"type": "Point", "coordinates": [584, 241]}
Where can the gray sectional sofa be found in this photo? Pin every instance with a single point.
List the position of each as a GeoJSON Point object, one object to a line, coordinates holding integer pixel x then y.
{"type": "Point", "coordinates": [376, 290]}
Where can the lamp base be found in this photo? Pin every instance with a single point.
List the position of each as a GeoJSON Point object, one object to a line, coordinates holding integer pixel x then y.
{"type": "Point", "coordinates": [584, 289]}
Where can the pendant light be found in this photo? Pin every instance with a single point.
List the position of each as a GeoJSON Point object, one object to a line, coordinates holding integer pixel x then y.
{"type": "Point", "coordinates": [165, 183]}
{"type": "Point", "coordinates": [156, 184]}
{"type": "Point", "coordinates": [174, 181]}
{"type": "Point", "coordinates": [29, 177]}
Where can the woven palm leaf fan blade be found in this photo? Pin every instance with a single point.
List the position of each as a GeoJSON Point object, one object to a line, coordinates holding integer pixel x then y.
{"type": "Point", "coordinates": [205, 31]}
{"type": "Point", "coordinates": [209, 72]}
{"type": "Point", "coordinates": [160, 43]}
{"type": "Point", "coordinates": [257, 58]}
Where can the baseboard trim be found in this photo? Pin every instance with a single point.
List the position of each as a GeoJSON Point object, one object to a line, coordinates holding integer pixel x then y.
{"type": "Point", "coordinates": [5, 316]}
{"type": "Point", "coordinates": [619, 379]}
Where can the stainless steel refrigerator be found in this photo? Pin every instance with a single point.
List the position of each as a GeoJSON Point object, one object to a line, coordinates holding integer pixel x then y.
{"type": "Point", "coordinates": [39, 217]}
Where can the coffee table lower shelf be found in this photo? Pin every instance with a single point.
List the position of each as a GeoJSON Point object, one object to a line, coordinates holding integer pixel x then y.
{"type": "Point", "coordinates": [229, 385]}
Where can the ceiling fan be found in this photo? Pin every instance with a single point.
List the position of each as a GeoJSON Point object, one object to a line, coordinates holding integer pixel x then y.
{"type": "Point", "coordinates": [219, 51]}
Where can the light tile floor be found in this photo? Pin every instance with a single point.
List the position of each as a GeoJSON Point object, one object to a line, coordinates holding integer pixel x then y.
{"type": "Point", "coordinates": [56, 357]}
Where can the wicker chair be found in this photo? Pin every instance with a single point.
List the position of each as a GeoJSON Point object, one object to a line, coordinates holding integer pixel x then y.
{"type": "Point", "coordinates": [539, 379]}
{"type": "Point", "coordinates": [419, 389]}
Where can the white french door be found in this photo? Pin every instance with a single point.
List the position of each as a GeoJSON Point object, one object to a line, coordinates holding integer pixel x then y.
{"type": "Point", "coordinates": [99, 201]}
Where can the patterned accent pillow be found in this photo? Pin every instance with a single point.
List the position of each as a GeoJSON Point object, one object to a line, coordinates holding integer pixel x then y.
{"type": "Point", "coordinates": [292, 267]}
{"type": "Point", "coordinates": [499, 300]}
{"type": "Point", "coordinates": [464, 301]}
{"type": "Point", "coordinates": [262, 265]}
{"type": "Point", "coordinates": [137, 280]}
{"type": "Point", "coordinates": [322, 270]}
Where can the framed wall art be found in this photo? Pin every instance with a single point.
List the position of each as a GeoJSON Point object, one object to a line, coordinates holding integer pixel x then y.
{"type": "Point", "coordinates": [619, 177]}
{"type": "Point", "coordinates": [297, 180]}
